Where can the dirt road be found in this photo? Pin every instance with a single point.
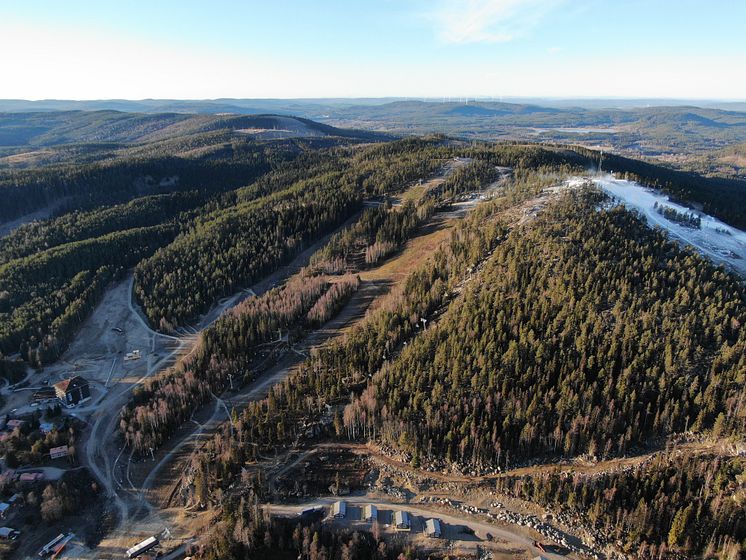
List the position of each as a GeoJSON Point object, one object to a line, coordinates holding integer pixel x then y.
{"type": "Point", "coordinates": [111, 464]}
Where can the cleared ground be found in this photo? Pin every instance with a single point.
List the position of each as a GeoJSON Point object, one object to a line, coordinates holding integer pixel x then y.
{"type": "Point", "coordinates": [463, 534]}
{"type": "Point", "coordinates": [41, 214]}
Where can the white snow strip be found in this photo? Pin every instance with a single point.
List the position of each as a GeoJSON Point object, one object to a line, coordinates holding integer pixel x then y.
{"type": "Point", "coordinates": [722, 243]}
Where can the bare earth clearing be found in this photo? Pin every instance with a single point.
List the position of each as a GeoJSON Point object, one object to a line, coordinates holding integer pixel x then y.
{"type": "Point", "coordinates": [41, 214]}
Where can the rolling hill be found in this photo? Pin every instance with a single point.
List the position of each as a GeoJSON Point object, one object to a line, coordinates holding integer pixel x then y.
{"type": "Point", "coordinates": [44, 129]}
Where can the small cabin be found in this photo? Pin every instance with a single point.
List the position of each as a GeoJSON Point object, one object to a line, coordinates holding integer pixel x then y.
{"type": "Point", "coordinates": [59, 452]}
{"type": "Point", "coordinates": [370, 513]}
{"type": "Point", "coordinates": [339, 509]}
{"type": "Point", "coordinates": [432, 528]}
{"type": "Point", "coordinates": [402, 522]}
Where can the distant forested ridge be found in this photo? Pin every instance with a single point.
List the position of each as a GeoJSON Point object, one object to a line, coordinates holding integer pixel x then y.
{"type": "Point", "coordinates": [78, 160]}
{"type": "Point", "coordinates": [76, 226]}
{"type": "Point", "coordinates": [73, 186]}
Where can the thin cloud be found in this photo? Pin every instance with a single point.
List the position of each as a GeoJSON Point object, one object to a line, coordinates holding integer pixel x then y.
{"type": "Point", "coordinates": [488, 21]}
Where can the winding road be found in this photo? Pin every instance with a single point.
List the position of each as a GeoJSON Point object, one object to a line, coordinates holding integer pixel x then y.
{"type": "Point", "coordinates": [109, 463]}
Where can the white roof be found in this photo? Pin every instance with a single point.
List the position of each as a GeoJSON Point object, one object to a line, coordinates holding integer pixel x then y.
{"type": "Point", "coordinates": [340, 507]}
{"type": "Point", "coordinates": [147, 542]}
{"type": "Point", "coordinates": [6, 531]}
{"type": "Point", "coordinates": [432, 526]}
{"type": "Point", "coordinates": [4, 506]}
{"type": "Point", "coordinates": [402, 518]}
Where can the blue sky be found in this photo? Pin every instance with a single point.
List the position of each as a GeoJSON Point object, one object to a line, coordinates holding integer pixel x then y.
{"type": "Point", "coordinates": [354, 48]}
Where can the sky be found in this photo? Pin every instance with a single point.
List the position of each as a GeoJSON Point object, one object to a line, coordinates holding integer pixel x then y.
{"type": "Point", "coordinates": [188, 49]}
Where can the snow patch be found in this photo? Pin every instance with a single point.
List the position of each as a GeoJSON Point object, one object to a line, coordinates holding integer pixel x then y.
{"type": "Point", "coordinates": [722, 243]}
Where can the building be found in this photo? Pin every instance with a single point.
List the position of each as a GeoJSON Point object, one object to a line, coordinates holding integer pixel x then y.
{"type": "Point", "coordinates": [402, 521]}
{"type": "Point", "coordinates": [46, 427]}
{"type": "Point", "coordinates": [51, 545]}
{"type": "Point", "coordinates": [370, 513]}
{"type": "Point", "coordinates": [339, 509]}
{"type": "Point", "coordinates": [142, 547]}
{"type": "Point", "coordinates": [72, 391]}
{"type": "Point", "coordinates": [8, 533]}
{"type": "Point", "coordinates": [14, 423]}
{"type": "Point", "coordinates": [432, 528]}
{"type": "Point", "coordinates": [59, 452]}
{"type": "Point", "coordinates": [4, 507]}
{"type": "Point", "coordinates": [134, 355]}
{"type": "Point", "coordinates": [44, 394]}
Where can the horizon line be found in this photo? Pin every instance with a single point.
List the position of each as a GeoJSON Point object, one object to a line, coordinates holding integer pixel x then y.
{"type": "Point", "coordinates": [426, 98]}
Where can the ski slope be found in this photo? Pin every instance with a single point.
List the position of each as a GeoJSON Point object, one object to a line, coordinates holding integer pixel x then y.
{"type": "Point", "coordinates": [722, 243]}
